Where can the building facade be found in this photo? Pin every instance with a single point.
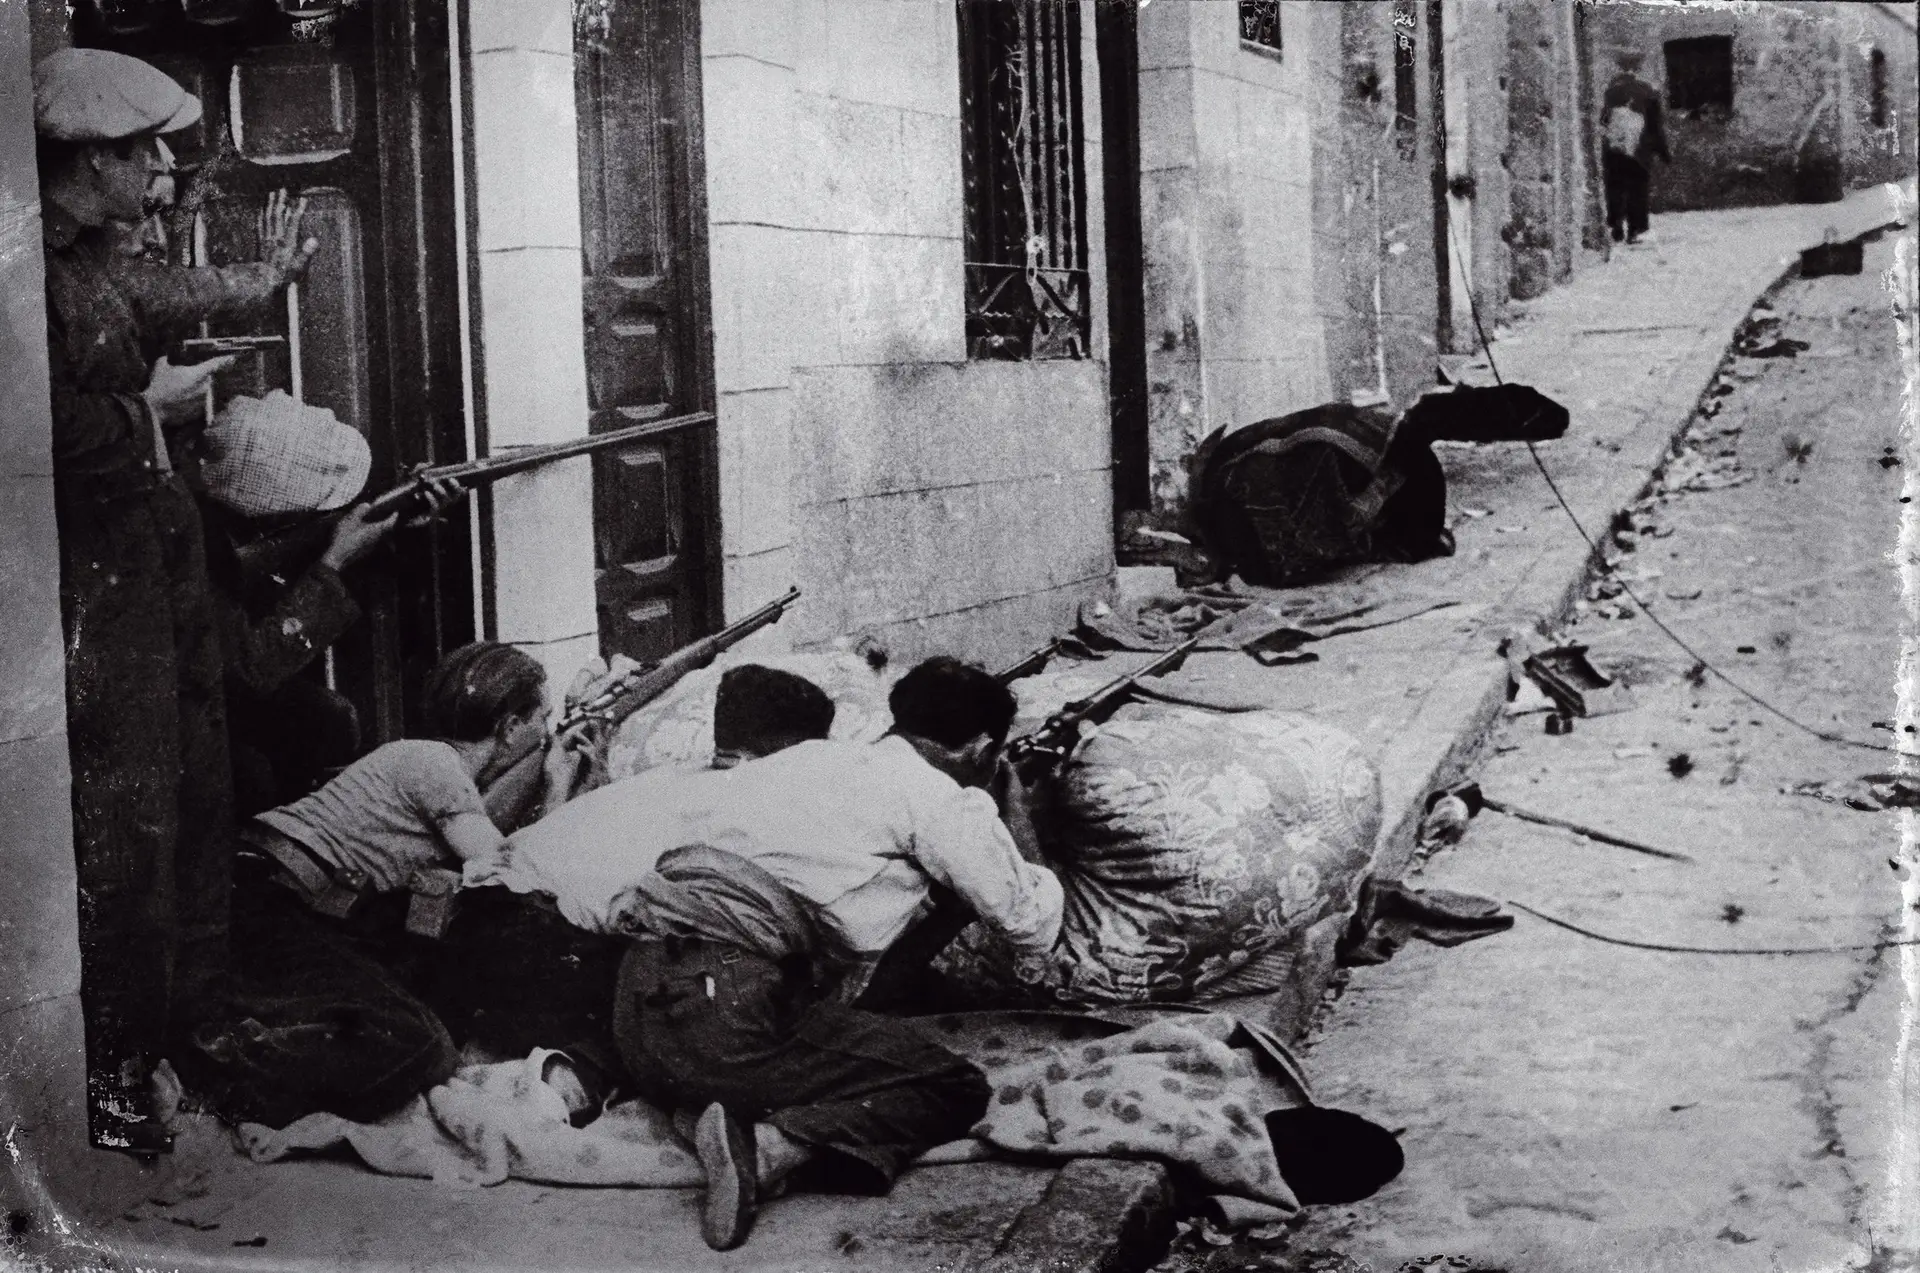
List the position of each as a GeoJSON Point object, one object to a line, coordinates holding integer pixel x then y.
{"type": "Point", "coordinates": [959, 285]}
{"type": "Point", "coordinates": [1772, 103]}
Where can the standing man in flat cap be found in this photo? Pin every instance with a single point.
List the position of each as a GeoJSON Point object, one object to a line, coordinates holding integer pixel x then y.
{"type": "Point", "coordinates": [145, 713]}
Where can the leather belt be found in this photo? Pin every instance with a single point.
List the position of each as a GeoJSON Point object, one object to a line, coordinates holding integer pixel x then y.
{"type": "Point", "coordinates": [328, 889]}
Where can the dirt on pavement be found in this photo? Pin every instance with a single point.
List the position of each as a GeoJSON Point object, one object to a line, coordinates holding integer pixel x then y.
{"type": "Point", "coordinates": [1569, 1104]}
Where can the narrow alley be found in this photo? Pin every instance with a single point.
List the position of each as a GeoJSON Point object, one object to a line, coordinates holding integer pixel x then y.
{"type": "Point", "coordinates": [1573, 1104]}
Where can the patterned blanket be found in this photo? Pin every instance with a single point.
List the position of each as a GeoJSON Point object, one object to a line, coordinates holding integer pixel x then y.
{"type": "Point", "coordinates": [1191, 1090]}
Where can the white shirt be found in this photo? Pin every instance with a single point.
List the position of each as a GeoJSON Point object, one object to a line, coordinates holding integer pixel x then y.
{"type": "Point", "coordinates": [856, 828]}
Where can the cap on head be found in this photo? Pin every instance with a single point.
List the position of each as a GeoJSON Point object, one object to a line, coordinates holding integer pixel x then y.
{"type": "Point", "coordinates": [94, 95]}
{"type": "Point", "coordinates": [274, 455]}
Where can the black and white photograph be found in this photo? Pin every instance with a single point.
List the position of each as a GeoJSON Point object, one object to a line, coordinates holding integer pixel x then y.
{"type": "Point", "coordinates": [980, 636]}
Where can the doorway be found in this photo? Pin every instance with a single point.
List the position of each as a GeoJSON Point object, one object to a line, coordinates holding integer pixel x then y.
{"type": "Point", "coordinates": [648, 324]}
{"type": "Point", "coordinates": [349, 108]}
{"type": "Point", "coordinates": [1117, 41]}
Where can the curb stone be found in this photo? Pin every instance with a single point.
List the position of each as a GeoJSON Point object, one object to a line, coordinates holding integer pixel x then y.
{"type": "Point", "coordinates": [1484, 687]}
{"type": "Point", "coordinates": [1099, 1215]}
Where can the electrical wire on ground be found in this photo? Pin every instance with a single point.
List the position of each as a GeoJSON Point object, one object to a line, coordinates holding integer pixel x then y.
{"type": "Point", "coordinates": [1673, 949]}
{"type": "Point", "coordinates": [1486, 347]}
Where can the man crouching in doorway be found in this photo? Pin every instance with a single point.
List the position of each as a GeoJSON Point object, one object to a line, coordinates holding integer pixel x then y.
{"type": "Point", "coordinates": [737, 999]}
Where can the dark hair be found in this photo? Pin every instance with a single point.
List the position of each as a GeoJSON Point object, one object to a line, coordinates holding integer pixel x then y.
{"type": "Point", "coordinates": [51, 154]}
{"type": "Point", "coordinates": [474, 688]}
{"type": "Point", "coordinates": [762, 709]}
{"type": "Point", "coordinates": [951, 703]}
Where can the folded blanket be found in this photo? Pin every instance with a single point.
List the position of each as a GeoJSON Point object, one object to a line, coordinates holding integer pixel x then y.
{"type": "Point", "coordinates": [1176, 1089]}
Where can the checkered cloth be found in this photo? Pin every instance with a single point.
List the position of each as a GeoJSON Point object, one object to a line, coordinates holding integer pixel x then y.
{"type": "Point", "coordinates": [275, 455]}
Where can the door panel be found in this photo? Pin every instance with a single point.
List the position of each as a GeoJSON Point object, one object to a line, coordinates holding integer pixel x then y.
{"type": "Point", "coordinates": [648, 346]}
{"type": "Point", "coordinates": [349, 111]}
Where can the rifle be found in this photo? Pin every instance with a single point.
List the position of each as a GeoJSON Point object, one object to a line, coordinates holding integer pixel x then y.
{"type": "Point", "coordinates": [641, 686]}
{"type": "Point", "coordinates": [613, 704]}
{"type": "Point", "coordinates": [1029, 663]}
{"type": "Point", "coordinates": [278, 555]}
{"type": "Point", "coordinates": [1048, 745]}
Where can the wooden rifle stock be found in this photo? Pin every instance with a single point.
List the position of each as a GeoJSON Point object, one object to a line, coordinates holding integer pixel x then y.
{"type": "Point", "coordinates": [629, 694]}
{"type": "Point", "coordinates": [1049, 744]}
{"type": "Point", "coordinates": [632, 692]}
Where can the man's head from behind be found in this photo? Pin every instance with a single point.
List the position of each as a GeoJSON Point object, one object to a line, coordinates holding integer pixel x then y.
{"type": "Point", "coordinates": [760, 710]}
{"type": "Point", "coordinates": [1629, 60]}
{"type": "Point", "coordinates": [956, 714]}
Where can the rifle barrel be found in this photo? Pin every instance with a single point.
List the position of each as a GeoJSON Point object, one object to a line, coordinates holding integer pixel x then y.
{"type": "Point", "coordinates": [519, 461]}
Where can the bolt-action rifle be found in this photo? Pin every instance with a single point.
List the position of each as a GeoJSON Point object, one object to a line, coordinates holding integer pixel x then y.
{"type": "Point", "coordinates": [629, 693]}
{"type": "Point", "coordinates": [279, 555]}
{"type": "Point", "coordinates": [621, 698]}
{"type": "Point", "coordinates": [1047, 746]}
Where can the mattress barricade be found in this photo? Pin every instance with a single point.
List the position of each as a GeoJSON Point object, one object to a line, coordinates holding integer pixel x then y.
{"type": "Point", "coordinates": [1203, 854]}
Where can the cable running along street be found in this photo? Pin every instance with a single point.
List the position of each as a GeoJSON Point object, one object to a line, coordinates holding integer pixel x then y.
{"type": "Point", "coordinates": [1486, 347]}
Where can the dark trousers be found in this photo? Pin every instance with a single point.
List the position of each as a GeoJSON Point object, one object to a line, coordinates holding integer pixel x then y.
{"type": "Point", "coordinates": [152, 787]}
{"type": "Point", "coordinates": [513, 975]}
{"type": "Point", "coordinates": [1626, 181]}
{"type": "Point", "coordinates": [288, 743]}
{"type": "Point", "coordinates": [699, 1021]}
{"type": "Point", "coordinates": [324, 1019]}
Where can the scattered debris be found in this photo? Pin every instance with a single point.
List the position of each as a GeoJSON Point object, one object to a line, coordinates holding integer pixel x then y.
{"type": "Point", "coordinates": [258, 1239]}
{"type": "Point", "coordinates": [1675, 1109]}
{"type": "Point", "coordinates": [1680, 764]}
{"type": "Point", "coordinates": [1697, 675]}
{"type": "Point", "coordinates": [1471, 793]}
{"type": "Point", "coordinates": [1564, 672]}
{"type": "Point", "coordinates": [1731, 774]}
{"type": "Point", "coordinates": [1784, 347]}
{"type": "Point", "coordinates": [1798, 448]}
{"type": "Point", "coordinates": [1732, 913]}
{"type": "Point", "coordinates": [1446, 822]}
{"type": "Point", "coordinates": [1476, 512]}
{"type": "Point", "coordinates": [1869, 793]}
{"type": "Point", "coordinates": [1733, 1235]}
{"type": "Point", "coordinates": [1683, 594]}
{"type": "Point", "coordinates": [1745, 649]}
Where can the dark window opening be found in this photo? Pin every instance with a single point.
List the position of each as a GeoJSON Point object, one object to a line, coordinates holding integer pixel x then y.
{"type": "Point", "coordinates": [1700, 73]}
{"type": "Point", "coordinates": [1406, 102]}
{"type": "Point", "coordinates": [1260, 23]}
{"type": "Point", "coordinates": [1023, 174]}
{"type": "Point", "coordinates": [1877, 87]}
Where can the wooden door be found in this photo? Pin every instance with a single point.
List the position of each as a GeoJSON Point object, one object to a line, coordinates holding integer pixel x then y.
{"type": "Point", "coordinates": [349, 108]}
{"type": "Point", "coordinates": [648, 334]}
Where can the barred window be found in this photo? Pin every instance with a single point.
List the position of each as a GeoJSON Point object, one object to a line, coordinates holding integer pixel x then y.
{"type": "Point", "coordinates": [1260, 23]}
{"type": "Point", "coordinates": [1024, 177]}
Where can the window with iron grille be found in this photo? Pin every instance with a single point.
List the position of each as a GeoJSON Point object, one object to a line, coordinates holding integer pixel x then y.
{"type": "Point", "coordinates": [1700, 73]}
{"type": "Point", "coordinates": [1260, 23]}
{"type": "Point", "coordinates": [1024, 177]}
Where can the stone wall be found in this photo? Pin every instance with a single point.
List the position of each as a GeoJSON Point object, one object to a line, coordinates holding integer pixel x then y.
{"type": "Point", "coordinates": [1800, 99]}
{"type": "Point", "coordinates": [1546, 158]}
{"type": "Point", "coordinates": [42, 1074]}
{"type": "Point", "coordinates": [932, 502]}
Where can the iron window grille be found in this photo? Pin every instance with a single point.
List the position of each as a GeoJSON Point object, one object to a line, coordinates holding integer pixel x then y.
{"type": "Point", "coordinates": [1260, 23]}
{"type": "Point", "coordinates": [1023, 172]}
{"type": "Point", "coordinates": [1700, 73]}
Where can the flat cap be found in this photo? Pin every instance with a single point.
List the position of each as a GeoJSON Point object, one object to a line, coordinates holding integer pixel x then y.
{"type": "Point", "coordinates": [97, 95]}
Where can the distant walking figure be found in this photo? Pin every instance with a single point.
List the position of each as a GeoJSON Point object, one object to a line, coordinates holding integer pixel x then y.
{"type": "Point", "coordinates": [1633, 133]}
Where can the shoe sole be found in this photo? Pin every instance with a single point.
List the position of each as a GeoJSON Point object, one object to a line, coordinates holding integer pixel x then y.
{"type": "Point", "coordinates": [725, 1151]}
